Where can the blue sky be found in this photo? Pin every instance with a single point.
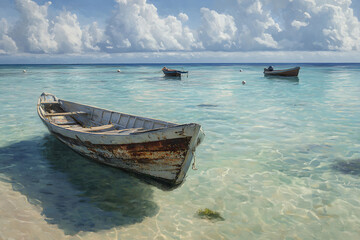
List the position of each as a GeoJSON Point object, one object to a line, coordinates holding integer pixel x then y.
{"type": "Point", "coordinates": [38, 31]}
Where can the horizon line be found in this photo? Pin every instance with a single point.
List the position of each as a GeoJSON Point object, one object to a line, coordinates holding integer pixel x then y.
{"type": "Point", "coordinates": [173, 63]}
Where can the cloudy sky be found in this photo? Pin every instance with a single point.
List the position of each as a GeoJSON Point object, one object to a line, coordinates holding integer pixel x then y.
{"type": "Point", "coordinates": [68, 31]}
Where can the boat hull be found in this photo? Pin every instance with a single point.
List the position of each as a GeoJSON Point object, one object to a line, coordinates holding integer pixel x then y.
{"type": "Point", "coordinates": [173, 73]}
{"type": "Point", "coordinates": [292, 72]}
{"type": "Point", "coordinates": [164, 154]}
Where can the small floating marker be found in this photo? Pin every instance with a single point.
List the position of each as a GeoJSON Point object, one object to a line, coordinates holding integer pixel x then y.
{"type": "Point", "coordinates": [118, 70]}
{"type": "Point", "coordinates": [243, 82]}
{"type": "Point", "coordinates": [24, 71]}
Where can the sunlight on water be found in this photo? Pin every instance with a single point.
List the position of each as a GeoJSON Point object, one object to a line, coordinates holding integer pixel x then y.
{"type": "Point", "coordinates": [280, 160]}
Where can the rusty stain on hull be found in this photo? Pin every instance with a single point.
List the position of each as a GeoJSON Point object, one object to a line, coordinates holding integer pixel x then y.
{"type": "Point", "coordinates": [163, 154]}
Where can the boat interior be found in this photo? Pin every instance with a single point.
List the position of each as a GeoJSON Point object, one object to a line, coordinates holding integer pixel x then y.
{"type": "Point", "coordinates": [84, 118]}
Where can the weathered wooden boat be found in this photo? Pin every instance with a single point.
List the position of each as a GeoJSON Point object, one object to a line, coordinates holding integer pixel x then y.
{"type": "Point", "coordinates": [155, 148]}
{"type": "Point", "coordinates": [291, 72]}
{"type": "Point", "coordinates": [172, 72]}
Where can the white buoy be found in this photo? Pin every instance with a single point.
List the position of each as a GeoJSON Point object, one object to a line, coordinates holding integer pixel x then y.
{"type": "Point", "coordinates": [243, 82]}
{"type": "Point", "coordinates": [118, 70]}
{"type": "Point", "coordinates": [24, 71]}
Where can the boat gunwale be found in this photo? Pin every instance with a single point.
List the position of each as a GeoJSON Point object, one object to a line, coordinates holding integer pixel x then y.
{"type": "Point", "coordinates": [175, 71]}
{"type": "Point", "coordinates": [145, 131]}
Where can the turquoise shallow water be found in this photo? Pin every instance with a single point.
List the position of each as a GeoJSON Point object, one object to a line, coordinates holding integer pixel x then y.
{"type": "Point", "coordinates": [280, 160]}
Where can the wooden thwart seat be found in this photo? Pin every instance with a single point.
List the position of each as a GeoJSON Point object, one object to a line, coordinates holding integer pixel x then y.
{"type": "Point", "coordinates": [109, 128]}
{"type": "Point", "coordinates": [100, 128]}
{"type": "Point", "coordinates": [64, 114]}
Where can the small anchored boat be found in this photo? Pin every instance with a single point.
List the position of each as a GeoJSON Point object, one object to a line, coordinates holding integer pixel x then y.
{"type": "Point", "coordinates": [291, 72]}
{"type": "Point", "coordinates": [154, 148]}
{"type": "Point", "coordinates": [172, 72]}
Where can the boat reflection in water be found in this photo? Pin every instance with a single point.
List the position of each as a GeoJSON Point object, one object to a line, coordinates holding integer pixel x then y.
{"type": "Point", "coordinates": [281, 78]}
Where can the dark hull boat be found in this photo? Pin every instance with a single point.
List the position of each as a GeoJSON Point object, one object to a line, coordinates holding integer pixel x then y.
{"type": "Point", "coordinates": [172, 72]}
{"type": "Point", "coordinates": [291, 72]}
{"type": "Point", "coordinates": [153, 148]}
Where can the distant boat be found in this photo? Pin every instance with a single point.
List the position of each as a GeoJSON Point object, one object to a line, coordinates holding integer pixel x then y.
{"type": "Point", "coordinates": [155, 148]}
{"type": "Point", "coordinates": [172, 72]}
{"type": "Point", "coordinates": [291, 72]}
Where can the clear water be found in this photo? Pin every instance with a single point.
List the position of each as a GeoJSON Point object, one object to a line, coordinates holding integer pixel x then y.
{"type": "Point", "coordinates": [281, 157]}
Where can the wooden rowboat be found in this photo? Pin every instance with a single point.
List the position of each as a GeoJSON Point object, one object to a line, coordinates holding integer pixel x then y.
{"type": "Point", "coordinates": [291, 72]}
{"type": "Point", "coordinates": [172, 72]}
{"type": "Point", "coordinates": [159, 149]}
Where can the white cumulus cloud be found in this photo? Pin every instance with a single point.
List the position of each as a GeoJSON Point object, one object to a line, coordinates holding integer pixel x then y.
{"type": "Point", "coordinates": [7, 44]}
{"type": "Point", "coordinates": [31, 32]}
{"type": "Point", "coordinates": [266, 40]}
{"type": "Point", "coordinates": [67, 33]}
{"type": "Point", "coordinates": [255, 24]}
{"type": "Point", "coordinates": [36, 32]}
{"type": "Point", "coordinates": [183, 17]}
{"type": "Point", "coordinates": [298, 24]}
{"type": "Point", "coordinates": [317, 25]}
{"type": "Point", "coordinates": [217, 30]}
{"type": "Point", "coordinates": [295, 25]}
{"type": "Point", "coordinates": [92, 35]}
{"type": "Point", "coordinates": [137, 26]}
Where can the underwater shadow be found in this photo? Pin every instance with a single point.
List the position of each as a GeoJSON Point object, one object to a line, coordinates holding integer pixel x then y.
{"type": "Point", "coordinates": [281, 78]}
{"type": "Point", "coordinates": [172, 78]}
{"type": "Point", "coordinates": [347, 166]}
{"type": "Point", "coordinates": [207, 105]}
{"type": "Point", "coordinates": [75, 193]}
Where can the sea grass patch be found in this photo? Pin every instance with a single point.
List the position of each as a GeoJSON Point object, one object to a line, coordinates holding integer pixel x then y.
{"type": "Point", "coordinates": [209, 214]}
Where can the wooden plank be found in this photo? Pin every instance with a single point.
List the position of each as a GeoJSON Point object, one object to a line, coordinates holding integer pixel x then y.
{"type": "Point", "coordinates": [66, 123]}
{"type": "Point", "coordinates": [128, 120]}
{"type": "Point", "coordinates": [64, 114]}
{"type": "Point", "coordinates": [99, 128]}
{"type": "Point", "coordinates": [49, 103]}
{"type": "Point", "coordinates": [110, 117]}
{"type": "Point", "coordinates": [118, 121]}
{"type": "Point", "coordinates": [130, 130]}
